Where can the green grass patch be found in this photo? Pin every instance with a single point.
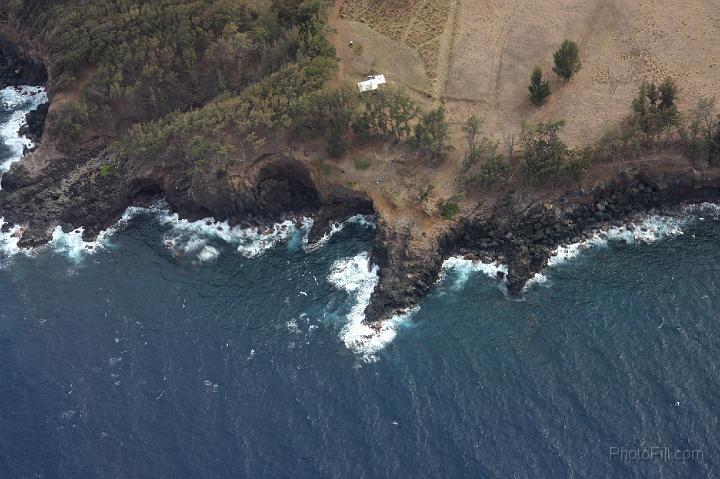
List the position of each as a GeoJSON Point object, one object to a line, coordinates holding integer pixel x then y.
{"type": "Point", "coordinates": [449, 210]}
{"type": "Point", "coordinates": [324, 168]}
{"type": "Point", "coordinates": [362, 165]}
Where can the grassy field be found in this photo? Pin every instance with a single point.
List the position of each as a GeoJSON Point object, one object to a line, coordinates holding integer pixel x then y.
{"type": "Point", "coordinates": [418, 24]}
{"type": "Point", "coordinates": [478, 56]}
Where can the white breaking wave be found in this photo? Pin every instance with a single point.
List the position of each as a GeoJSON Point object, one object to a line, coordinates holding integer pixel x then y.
{"type": "Point", "coordinates": [9, 240]}
{"type": "Point", "coordinates": [367, 221]}
{"type": "Point", "coordinates": [649, 230]}
{"type": "Point", "coordinates": [356, 277]}
{"type": "Point", "coordinates": [194, 237]}
{"type": "Point", "coordinates": [69, 244]}
{"type": "Point", "coordinates": [74, 247]}
{"type": "Point", "coordinates": [202, 239]}
{"type": "Point", "coordinates": [702, 210]}
{"type": "Point", "coordinates": [26, 99]}
{"type": "Point", "coordinates": [463, 268]}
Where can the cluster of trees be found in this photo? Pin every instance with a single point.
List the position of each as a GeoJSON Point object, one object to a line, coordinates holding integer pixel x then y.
{"type": "Point", "coordinates": [655, 123]}
{"type": "Point", "coordinates": [230, 128]}
{"type": "Point", "coordinates": [567, 64]}
{"type": "Point", "coordinates": [701, 136]}
{"type": "Point", "coordinates": [386, 113]}
{"type": "Point", "coordinates": [157, 57]}
{"type": "Point", "coordinates": [482, 163]}
{"type": "Point", "coordinates": [546, 158]}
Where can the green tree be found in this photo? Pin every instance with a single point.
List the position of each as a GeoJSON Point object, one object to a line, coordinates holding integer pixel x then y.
{"type": "Point", "coordinates": [431, 136]}
{"type": "Point", "coordinates": [655, 110]}
{"type": "Point", "coordinates": [401, 111]}
{"type": "Point", "coordinates": [336, 144]}
{"type": "Point", "coordinates": [471, 129]}
{"type": "Point", "coordinates": [567, 60]}
{"type": "Point", "coordinates": [544, 152]}
{"type": "Point", "coordinates": [539, 89]}
{"type": "Point", "coordinates": [704, 138]}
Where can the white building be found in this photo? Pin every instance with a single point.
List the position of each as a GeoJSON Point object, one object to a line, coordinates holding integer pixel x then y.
{"type": "Point", "coordinates": [372, 83]}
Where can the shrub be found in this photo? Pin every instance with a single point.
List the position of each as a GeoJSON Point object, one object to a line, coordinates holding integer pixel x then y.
{"type": "Point", "coordinates": [449, 210]}
{"type": "Point", "coordinates": [567, 60]}
{"type": "Point", "coordinates": [577, 163]}
{"type": "Point", "coordinates": [493, 171]}
{"type": "Point", "coordinates": [539, 89]}
{"type": "Point", "coordinates": [107, 170]}
{"type": "Point", "coordinates": [67, 124]}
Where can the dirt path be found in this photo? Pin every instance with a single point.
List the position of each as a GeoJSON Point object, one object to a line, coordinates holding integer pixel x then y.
{"type": "Point", "coordinates": [335, 35]}
{"type": "Point", "coordinates": [445, 54]}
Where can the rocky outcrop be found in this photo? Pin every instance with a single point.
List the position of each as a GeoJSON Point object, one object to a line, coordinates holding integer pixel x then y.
{"type": "Point", "coordinates": [35, 123]}
{"type": "Point", "coordinates": [523, 236]}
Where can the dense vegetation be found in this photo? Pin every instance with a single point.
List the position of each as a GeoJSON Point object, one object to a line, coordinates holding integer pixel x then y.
{"type": "Point", "coordinates": [145, 59]}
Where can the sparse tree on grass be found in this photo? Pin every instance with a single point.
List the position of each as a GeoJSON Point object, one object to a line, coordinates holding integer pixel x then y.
{"type": "Point", "coordinates": [539, 89]}
{"type": "Point", "coordinates": [567, 60]}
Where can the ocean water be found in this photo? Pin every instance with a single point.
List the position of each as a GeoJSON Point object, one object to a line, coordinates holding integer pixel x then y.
{"type": "Point", "coordinates": [182, 349]}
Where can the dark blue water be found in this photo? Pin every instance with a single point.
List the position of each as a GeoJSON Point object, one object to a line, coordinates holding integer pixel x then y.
{"type": "Point", "coordinates": [137, 363]}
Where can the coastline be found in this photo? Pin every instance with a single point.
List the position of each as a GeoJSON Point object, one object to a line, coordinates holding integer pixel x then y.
{"type": "Point", "coordinates": [520, 229]}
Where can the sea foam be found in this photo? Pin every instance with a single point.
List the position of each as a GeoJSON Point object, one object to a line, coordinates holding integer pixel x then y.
{"type": "Point", "coordinates": [355, 276]}
{"type": "Point", "coordinates": [366, 221]}
{"type": "Point", "coordinates": [23, 100]}
{"type": "Point", "coordinates": [462, 269]}
{"type": "Point", "coordinates": [651, 229]}
{"type": "Point", "coordinates": [204, 238]}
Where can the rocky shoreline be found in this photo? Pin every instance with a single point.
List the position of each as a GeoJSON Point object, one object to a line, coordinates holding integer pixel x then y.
{"type": "Point", "coordinates": [524, 240]}
{"type": "Point", "coordinates": [93, 189]}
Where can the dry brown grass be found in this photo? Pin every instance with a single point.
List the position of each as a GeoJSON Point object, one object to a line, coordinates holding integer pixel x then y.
{"type": "Point", "coordinates": [622, 43]}
{"type": "Point", "coordinates": [418, 24]}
